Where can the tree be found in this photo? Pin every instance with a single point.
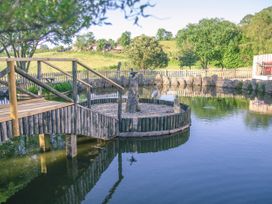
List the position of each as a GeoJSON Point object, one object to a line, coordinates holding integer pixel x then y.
{"type": "Point", "coordinates": [44, 47]}
{"type": "Point", "coordinates": [125, 39]}
{"type": "Point", "coordinates": [163, 34]}
{"type": "Point", "coordinates": [111, 43]}
{"type": "Point", "coordinates": [209, 39]}
{"type": "Point", "coordinates": [146, 53]}
{"type": "Point", "coordinates": [257, 30]}
{"type": "Point", "coordinates": [84, 42]}
{"type": "Point", "coordinates": [101, 44]}
{"type": "Point", "coordinates": [188, 58]}
{"type": "Point", "coordinates": [24, 24]}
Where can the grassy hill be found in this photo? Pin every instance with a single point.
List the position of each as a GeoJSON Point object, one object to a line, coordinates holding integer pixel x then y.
{"type": "Point", "coordinates": [98, 61]}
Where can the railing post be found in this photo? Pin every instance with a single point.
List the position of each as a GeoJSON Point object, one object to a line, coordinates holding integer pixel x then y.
{"type": "Point", "coordinates": [75, 98]}
{"type": "Point", "coordinates": [39, 75]}
{"type": "Point", "coordinates": [88, 90]}
{"type": "Point", "coordinates": [119, 109]}
{"type": "Point", "coordinates": [13, 98]}
{"type": "Point", "coordinates": [71, 140]}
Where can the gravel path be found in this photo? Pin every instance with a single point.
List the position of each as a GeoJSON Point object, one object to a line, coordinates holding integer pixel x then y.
{"type": "Point", "coordinates": [147, 109]}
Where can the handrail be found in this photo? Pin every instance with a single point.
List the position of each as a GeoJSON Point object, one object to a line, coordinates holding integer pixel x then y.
{"type": "Point", "coordinates": [4, 72]}
{"type": "Point", "coordinates": [21, 90]}
{"type": "Point", "coordinates": [120, 88]}
{"type": "Point", "coordinates": [43, 85]}
{"type": "Point", "coordinates": [67, 74]}
{"type": "Point", "coordinates": [7, 59]}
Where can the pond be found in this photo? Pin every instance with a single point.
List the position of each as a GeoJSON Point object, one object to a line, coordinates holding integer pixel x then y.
{"type": "Point", "coordinates": [224, 158]}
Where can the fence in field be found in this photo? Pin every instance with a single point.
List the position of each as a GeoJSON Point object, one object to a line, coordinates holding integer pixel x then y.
{"type": "Point", "coordinates": [56, 77]}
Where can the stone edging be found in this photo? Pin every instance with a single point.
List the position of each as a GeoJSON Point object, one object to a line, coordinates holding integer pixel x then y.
{"type": "Point", "coordinates": [259, 86]}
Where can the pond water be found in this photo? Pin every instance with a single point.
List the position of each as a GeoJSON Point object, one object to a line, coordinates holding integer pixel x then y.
{"type": "Point", "coordinates": [224, 158]}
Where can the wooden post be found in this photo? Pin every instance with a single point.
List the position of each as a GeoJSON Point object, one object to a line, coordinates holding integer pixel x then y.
{"type": "Point", "coordinates": [119, 109]}
{"type": "Point", "coordinates": [13, 98]}
{"type": "Point", "coordinates": [75, 99]}
{"type": "Point", "coordinates": [89, 103]}
{"type": "Point", "coordinates": [71, 146]}
{"type": "Point", "coordinates": [39, 75]}
{"type": "Point", "coordinates": [43, 164]}
{"type": "Point", "coordinates": [71, 140]}
{"type": "Point", "coordinates": [44, 143]}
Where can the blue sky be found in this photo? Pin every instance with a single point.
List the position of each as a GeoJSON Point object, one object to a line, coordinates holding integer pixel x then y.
{"type": "Point", "coordinates": [176, 14]}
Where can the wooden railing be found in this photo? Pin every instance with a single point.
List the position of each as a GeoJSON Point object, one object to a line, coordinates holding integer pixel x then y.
{"type": "Point", "coordinates": [11, 71]}
{"type": "Point", "coordinates": [84, 75]}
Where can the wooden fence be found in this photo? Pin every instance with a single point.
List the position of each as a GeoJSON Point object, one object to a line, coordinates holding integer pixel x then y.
{"type": "Point", "coordinates": [56, 77]}
{"type": "Point", "coordinates": [59, 121]}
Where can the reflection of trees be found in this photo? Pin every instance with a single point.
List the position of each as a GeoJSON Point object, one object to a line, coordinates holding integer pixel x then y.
{"type": "Point", "coordinates": [213, 108]}
{"type": "Point", "coordinates": [20, 163]}
{"type": "Point", "coordinates": [255, 120]}
{"type": "Point", "coordinates": [26, 145]}
{"type": "Point", "coordinates": [68, 181]}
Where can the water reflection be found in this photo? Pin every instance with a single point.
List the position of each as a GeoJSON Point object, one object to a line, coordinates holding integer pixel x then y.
{"type": "Point", "coordinates": [51, 178]}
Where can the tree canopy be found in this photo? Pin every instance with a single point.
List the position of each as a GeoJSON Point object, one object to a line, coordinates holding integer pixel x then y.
{"type": "Point", "coordinates": [209, 39]}
{"type": "Point", "coordinates": [146, 53]}
{"type": "Point", "coordinates": [84, 42]}
{"type": "Point", "coordinates": [257, 31]}
{"type": "Point", "coordinates": [163, 34]}
{"type": "Point", "coordinates": [25, 24]}
{"type": "Point", "coordinates": [125, 39]}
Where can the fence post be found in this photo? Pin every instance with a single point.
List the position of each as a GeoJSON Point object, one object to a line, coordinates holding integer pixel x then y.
{"type": "Point", "coordinates": [75, 99]}
{"type": "Point", "coordinates": [88, 91]}
{"type": "Point", "coordinates": [119, 109]}
{"type": "Point", "coordinates": [39, 76]}
{"type": "Point", "coordinates": [71, 140]}
{"type": "Point", "coordinates": [13, 98]}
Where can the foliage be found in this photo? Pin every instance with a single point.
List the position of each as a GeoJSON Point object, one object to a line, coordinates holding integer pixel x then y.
{"type": "Point", "coordinates": [111, 43]}
{"type": "Point", "coordinates": [61, 87]}
{"type": "Point", "coordinates": [257, 30]}
{"type": "Point", "coordinates": [33, 89]}
{"type": "Point", "coordinates": [163, 34]}
{"type": "Point", "coordinates": [187, 56]}
{"type": "Point", "coordinates": [125, 39]}
{"type": "Point", "coordinates": [25, 24]}
{"type": "Point", "coordinates": [84, 42]}
{"type": "Point", "coordinates": [101, 44]}
{"type": "Point", "coordinates": [209, 39]}
{"type": "Point", "coordinates": [44, 47]}
{"type": "Point", "coordinates": [146, 53]}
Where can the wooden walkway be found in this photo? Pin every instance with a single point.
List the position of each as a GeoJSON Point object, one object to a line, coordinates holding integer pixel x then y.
{"type": "Point", "coordinates": [31, 107]}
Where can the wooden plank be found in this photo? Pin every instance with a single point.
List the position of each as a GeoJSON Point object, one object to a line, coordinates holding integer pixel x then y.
{"type": "Point", "coordinates": [25, 111]}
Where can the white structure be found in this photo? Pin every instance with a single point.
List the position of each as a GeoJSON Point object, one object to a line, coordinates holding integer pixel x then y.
{"type": "Point", "coordinates": [262, 67]}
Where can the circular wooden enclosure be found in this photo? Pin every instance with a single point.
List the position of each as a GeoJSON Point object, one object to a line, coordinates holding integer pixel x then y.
{"type": "Point", "coordinates": [155, 118]}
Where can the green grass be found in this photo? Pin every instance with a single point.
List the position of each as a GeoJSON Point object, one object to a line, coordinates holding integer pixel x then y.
{"type": "Point", "coordinates": [169, 46]}
{"type": "Point", "coordinates": [97, 61]}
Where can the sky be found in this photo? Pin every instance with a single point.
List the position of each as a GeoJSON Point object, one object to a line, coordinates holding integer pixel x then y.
{"type": "Point", "coordinates": [174, 15]}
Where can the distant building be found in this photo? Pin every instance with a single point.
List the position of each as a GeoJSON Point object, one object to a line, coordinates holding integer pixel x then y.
{"type": "Point", "coordinates": [262, 67]}
{"type": "Point", "coordinates": [118, 48]}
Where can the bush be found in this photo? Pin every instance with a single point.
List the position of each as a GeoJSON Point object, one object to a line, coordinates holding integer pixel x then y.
{"type": "Point", "coordinates": [61, 87]}
{"type": "Point", "coordinates": [33, 89]}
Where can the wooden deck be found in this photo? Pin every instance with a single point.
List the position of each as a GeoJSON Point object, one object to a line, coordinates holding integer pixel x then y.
{"type": "Point", "coordinates": [31, 107]}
